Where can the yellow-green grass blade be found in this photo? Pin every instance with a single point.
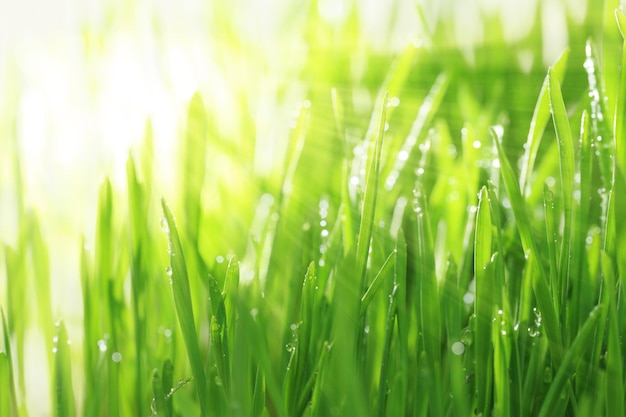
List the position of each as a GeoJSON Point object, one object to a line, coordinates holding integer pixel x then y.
{"type": "Point", "coordinates": [539, 120]}
{"type": "Point", "coordinates": [566, 162]}
{"type": "Point", "coordinates": [552, 239]}
{"type": "Point", "coordinates": [600, 129]}
{"type": "Point", "coordinates": [396, 174]}
{"type": "Point", "coordinates": [5, 386]}
{"type": "Point", "coordinates": [231, 287]}
{"type": "Point", "coordinates": [383, 382]}
{"type": "Point", "coordinates": [377, 282]}
{"type": "Point", "coordinates": [184, 308]}
{"type": "Point", "coordinates": [540, 283]}
{"type": "Point", "coordinates": [194, 164]}
{"type": "Point", "coordinates": [138, 208]}
{"type": "Point", "coordinates": [10, 386]}
{"type": "Point", "coordinates": [17, 313]}
{"type": "Point", "coordinates": [428, 295]}
{"type": "Point", "coordinates": [63, 399]}
{"type": "Point", "coordinates": [483, 302]}
{"type": "Point", "coordinates": [41, 267]}
{"type": "Point", "coordinates": [619, 119]}
{"type": "Point", "coordinates": [556, 400]}
{"type": "Point", "coordinates": [370, 196]}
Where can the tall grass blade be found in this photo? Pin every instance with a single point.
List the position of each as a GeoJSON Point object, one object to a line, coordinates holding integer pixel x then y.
{"type": "Point", "coordinates": [540, 118]}
{"type": "Point", "coordinates": [484, 302]}
{"type": "Point", "coordinates": [619, 120]}
{"type": "Point", "coordinates": [555, 401]}
{"type": "Point", "coordinates": [184, 309]}
{"type": "Point", "coordinates": [5, 386]}
{"type": "Point", "coordinates": [10, 387]}
{"type": "Point", "coordinates": [370, 196]}
{"type": "Point", "coordinates": [540, 283]}
{"type": "Point", "coordinates": [566, 162]}
{"type": "Point", "coordinates": [63, 389]}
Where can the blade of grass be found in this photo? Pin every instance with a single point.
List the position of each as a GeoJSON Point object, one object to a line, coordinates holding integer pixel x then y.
{"type": "Point", "coordinates": [184, 309]}
{"type": "Point", "coordinates": [554, 402]}
{"type": "Point", "coordinates": [538, 123]}
{"type": "Point", "coordinates": [566, 162]}
{"type": "Point", "coordinates": [369, 198]}
{"type": "Point", "coordinates": [619, 120]}
{"type": "Point", "coordinates": [614, 361]}
{"type": "Point", "coordinates": [159, 404]}
{"type": "Point", "coordinates": [483, 302]}
{"type": "Point", "coordinates": [10, 372]}
{"type": "Point", "coordinates": [429, 301]}
{"type": "Point", "coordinates": [377, 282]}
{"type": "Point", "coordinates": [63, 389]}
{"type": "Point", "coordinates": [5, 386]}
{"type": "Point", "coordinates": [540, 283]}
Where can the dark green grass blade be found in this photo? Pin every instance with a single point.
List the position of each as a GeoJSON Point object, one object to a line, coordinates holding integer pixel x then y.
{"type": "Point", "coordinates": [184, 309]}
{"type": "Point", "coordinates": [159, 405]}
{"type": "Point", "coordinates": [554, 402]}
{"type": "Point", "coordinates": [538, 123]}
{"type": "Point", "coordinates": [63, 391]}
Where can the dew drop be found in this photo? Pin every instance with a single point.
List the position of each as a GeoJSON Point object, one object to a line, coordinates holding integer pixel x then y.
{"type": "Point", "coordinates": [116, 357]}
{"type": "Point", "coordinates": [164, 225]}
{"type": "Point", "coordinates": [168, 271]}
{"type": "Point", "coordinates": [458, 348]}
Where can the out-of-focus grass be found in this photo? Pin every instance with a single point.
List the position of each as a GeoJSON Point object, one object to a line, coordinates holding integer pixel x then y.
{"type": "Point", "coordinates": [353, 227]}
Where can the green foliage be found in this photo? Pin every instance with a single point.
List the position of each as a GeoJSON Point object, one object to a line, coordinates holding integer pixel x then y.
{"type": "Point", "coordinates": [428, 246]}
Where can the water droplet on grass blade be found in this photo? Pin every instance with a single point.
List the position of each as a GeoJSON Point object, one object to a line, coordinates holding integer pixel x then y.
{"type": "Point", "coordinates": [458, 348]}
{"type": "Point", "coordinates": [164, 225]}
{"type": "Point", "coordinates": [116, 357]}
{"type": "Point", "coordinates": [168, 271]}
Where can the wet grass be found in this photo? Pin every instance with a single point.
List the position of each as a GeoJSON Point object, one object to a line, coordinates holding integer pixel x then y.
{"type": "Point", "coordinates": [412, 254]}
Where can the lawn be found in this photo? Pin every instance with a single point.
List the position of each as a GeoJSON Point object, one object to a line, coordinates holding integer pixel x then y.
{"type": "Point", "coordinates": [332, 209]}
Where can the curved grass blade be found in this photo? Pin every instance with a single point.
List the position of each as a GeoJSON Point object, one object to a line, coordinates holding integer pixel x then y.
{"type": "Point", "coordinates": [184, 309]}
{"type": "Point", "coordinates": [540, 118]}
{"type": "Point", "coordinates": [554, 403]}
{"type": "Point", "coordinates": [63, 390]}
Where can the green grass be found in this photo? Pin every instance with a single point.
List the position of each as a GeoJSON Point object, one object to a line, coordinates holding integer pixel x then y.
{"type": "Point", "coordinates": [440, 238]}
